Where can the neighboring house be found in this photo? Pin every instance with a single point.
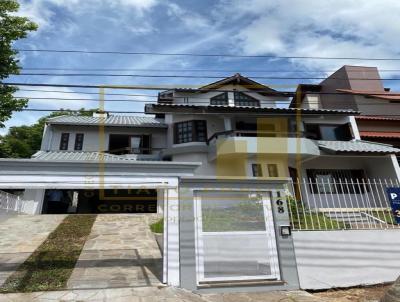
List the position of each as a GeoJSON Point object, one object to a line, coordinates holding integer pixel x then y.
{"type": "Point", "coordinates": [361, 89]}
{"type": "Point", "coordinates": [217, 162]}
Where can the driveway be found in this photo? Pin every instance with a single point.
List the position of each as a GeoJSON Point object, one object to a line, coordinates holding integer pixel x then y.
{"type": "Point", "coordinates": [20, 235]}
{"type": "Point", "coordinates": [121, 251]}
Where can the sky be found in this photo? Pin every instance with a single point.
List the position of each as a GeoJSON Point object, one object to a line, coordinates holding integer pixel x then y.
{"type": "Point", "coordinates": [330, 28]}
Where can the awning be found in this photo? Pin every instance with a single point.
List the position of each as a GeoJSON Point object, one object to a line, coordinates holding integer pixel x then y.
{"type": "Point", "coordinates": [356, 147]}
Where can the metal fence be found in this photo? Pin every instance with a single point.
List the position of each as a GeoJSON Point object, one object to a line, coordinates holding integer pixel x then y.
{"type": "Point", "coordinates": [10, 203]}
{"type": "Point", "coordinates": [328, 203]}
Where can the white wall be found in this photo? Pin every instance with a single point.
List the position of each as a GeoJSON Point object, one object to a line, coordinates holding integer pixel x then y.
{"type": "Point", "coordinates": [203, 99]}
{"type": "Point", "coordinates": [328, 259]}
{"type": "Point", "coordinates": [91, 141]}
{"type": "Point", "coordinates": [376, 168]}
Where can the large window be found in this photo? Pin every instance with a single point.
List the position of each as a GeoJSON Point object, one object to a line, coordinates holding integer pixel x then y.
{"type": "Point", "coordinates": [78, 141]}
{"type": "Point", "coordinates": [220, 99]}
{"type": "Point", "coordinates": [326, 181]}
{"type": "Point", "coordinates": [190, 131]}
{"type": "Point", "coordinates": [64, 141]}
{"type": "Point", "coordinates": [329, 132]}
{"type": "Point", "coordinates": [242, 99]}
{"type": "Point", "coordinates": [129, 144]}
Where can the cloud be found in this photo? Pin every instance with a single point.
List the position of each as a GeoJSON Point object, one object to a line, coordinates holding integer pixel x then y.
{"type": "Point", "coordinates": [191, 20]}
{"type": "Point", "coordinates": [317, 28]}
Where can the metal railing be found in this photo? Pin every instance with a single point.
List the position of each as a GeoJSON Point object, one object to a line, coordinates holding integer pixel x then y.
{"type": "Point", "coordinates": [340, 204]}
{"type": "Point", "coordinates": [9, 203]}
{"type": "Point", "coordinates": [255, 133]}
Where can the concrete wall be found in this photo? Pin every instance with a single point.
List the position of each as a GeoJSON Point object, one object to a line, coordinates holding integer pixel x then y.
{"type": "Point", "coordinates": [34, 198]}
{"type": "Point", "coordinates": [187, 241]}
{"type": "Point", "coordinates": [328, 259]}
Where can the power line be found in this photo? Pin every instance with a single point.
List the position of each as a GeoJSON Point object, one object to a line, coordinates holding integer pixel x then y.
{"type": "Point", "coordinates": [197, 70]}
{"type": "Point", "coordinates": [189, 113]}
{"type": "Point", "coordinates": [193, 76]}
{"type": "Point", "coordinates": [175, 97]}
{"type": "Point", "coordinates": [197, 102]}
{"type": "Point", "coordinates": [205, 55]}
{"type": "Point", "coordinates": [137, 87]}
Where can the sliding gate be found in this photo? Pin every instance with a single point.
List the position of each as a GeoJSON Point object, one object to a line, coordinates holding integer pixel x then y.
{"type": "Point", "coordinates": [235, 237]}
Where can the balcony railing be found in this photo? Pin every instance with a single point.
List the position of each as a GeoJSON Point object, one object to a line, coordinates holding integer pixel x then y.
{"type": "Point", "coordinates": [128, 150]}
{"type": "Point", "coordinates": [246, 133]}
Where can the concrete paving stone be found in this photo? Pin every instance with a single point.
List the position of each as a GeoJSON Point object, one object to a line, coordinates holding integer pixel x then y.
{"type": "Point", "coordinates": [17, 243]}
{"type": "Point", "coordinates": [120, 251]}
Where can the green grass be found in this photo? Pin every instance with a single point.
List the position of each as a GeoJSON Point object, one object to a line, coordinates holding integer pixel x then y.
{"type": "Point", "coordinates": [158, 226]}
{"type": "Point", "coordinates": [385, 215]}
{"type": "Point", "coordinates": [302, 218]}
{"type": "Point", "coordinates": [51, 265]}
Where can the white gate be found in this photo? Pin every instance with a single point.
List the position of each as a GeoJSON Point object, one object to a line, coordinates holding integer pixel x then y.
{"type": "Point", "coordinates": [235, 236]}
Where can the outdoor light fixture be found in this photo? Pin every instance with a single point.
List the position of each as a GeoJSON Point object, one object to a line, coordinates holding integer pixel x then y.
{"type": "Point", "coordinates": [286, 230]}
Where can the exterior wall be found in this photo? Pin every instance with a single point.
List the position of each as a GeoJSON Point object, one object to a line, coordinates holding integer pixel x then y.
{"type": "Point", "coordinates": [91, 141]}
{"type": "Point", "coordinates": [369, 106]}
{"type": "Point", "coordinates": [378, 168]}
{"type": "Point", "coordinates": [35, 197]}
{"type": "Point", "coordinates": [328, 259]}
{"type": "Point", "coordinates": [204, 98]}
{"type": "Point", "coordinates": [188, 234]}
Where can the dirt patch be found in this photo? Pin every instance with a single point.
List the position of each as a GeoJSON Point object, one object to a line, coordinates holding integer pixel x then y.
{"type": "Point", "coordinates": [359, 294]}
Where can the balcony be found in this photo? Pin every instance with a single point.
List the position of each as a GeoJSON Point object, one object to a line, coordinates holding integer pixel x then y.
{"type": "Point", "coordinates": [138, 153]}
{"type": "Point", "coordinates": [261, 143]}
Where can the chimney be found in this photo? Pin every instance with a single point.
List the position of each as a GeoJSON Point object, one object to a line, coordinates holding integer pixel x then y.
{"type": "Point", "coordinates": [103, 114]}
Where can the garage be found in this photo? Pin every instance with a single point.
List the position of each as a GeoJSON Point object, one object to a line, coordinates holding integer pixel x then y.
{"type": "Point", "coordinates": [101, 201]}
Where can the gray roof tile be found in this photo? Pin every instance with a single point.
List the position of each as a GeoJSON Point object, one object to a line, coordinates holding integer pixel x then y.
{"type": "Point", "coordinates": [88, 156]}
{"type": "Point", "coordinates": [112, 120]}
{"type": "Point", "coordinates": [356, 146]}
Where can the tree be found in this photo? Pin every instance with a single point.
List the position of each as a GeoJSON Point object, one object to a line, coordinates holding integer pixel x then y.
{"type": "Point", "coordinates": [12, 28]}
{"type": "Point", "coordinates": [24, 141]}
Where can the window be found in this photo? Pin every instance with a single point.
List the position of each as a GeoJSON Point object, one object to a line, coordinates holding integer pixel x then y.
{"type": "Point", "coordinates": [272, 170]}
{"type": "Point", "coordinates": [257, 170]}
{"type": "Point", "coordinates": [242, 99]}
{"type": "Point", "coordinates": [329, 132]}
{"type": "Point", "coordinates": [78, 141]}
{"type": "Point", "coordinates": [129, 144]}
{"type": "Point", "coordinates": [190, 131]}
{"type": "Point", "coordinates": [64, 141]}
{"type": "Point", "coordinates": [220, 99]}
{"type": "Point", "coordinates": [324, 181]}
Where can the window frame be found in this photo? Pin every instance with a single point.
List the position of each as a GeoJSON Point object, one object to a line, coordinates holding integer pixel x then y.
{"type": "Point", "coordinates": [217, 99]}
{"type": "Point", "coordinates": [78, 145]}
{"type": "Point", "coordinates": [275, 166]}
{"type": "Point", "coordinates": [338, 176]}
{"type": "Point", "coordinates": [64, 141]}
{"type": "Point", "coordinates": [249, 99]}
{"type": "Point", "coordinates": [256, 170]}
{"type": "Point", "coordinates": [194, 135]}
{"type": "Point", "coordinates": [318, 132]}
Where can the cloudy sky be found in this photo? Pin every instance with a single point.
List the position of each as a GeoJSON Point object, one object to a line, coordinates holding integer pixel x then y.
{"type": "Point", "coordinates": [331, 28]}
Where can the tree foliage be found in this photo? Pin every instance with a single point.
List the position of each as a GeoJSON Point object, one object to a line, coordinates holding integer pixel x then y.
{"type": "Point", "coordinates": [12, 28]}
{"type": "Point", "coordinates": [24, 141]}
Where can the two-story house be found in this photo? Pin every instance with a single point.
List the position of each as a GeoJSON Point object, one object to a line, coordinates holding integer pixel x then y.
{"type": "Point", "coordinates": [219, 163]}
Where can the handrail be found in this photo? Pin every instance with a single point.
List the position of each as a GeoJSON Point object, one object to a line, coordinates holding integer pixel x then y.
{"type": "Point", "coordinates": [258, 133]}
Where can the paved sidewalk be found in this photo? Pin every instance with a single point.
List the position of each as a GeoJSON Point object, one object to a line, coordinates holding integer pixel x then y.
{"type": "Point", "coordinates": [20, 236]}
{"type": "Point", "coordinates": [154, 294]}
{"type": "Point", "coordinates": [121, 251]}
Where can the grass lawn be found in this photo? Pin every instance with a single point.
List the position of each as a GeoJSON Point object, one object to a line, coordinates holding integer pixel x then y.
{"type": "Point", "coordinates": [158, 226]}
{"type": "Point", "coordinates": [301, 218]}
{"type": "Point", "coordinates": [385, 215]}
{"type": "Point", "coordinates": [51, 265]}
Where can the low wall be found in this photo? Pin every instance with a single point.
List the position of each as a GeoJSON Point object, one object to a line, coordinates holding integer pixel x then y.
{"type": "Point", "coordinates": [327, 259]}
